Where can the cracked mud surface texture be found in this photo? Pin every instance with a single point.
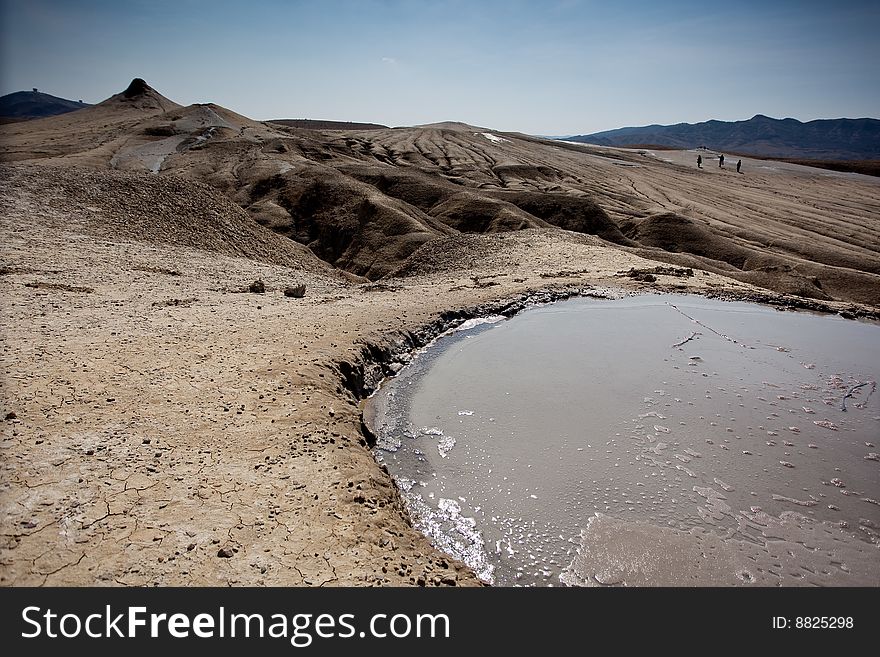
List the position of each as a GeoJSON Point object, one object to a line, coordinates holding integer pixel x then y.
{"type": "Point", "coordinates": [165, 427]}
{"type": "Point", "coordinates": [151, 437]}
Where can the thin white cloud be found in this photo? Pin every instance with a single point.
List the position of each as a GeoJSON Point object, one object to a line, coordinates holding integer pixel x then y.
{"type": "Point", "coordinates": [389, 60]}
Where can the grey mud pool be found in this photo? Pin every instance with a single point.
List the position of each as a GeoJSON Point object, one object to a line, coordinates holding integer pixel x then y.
{"type": "Point", "coordinates": [655, 440]}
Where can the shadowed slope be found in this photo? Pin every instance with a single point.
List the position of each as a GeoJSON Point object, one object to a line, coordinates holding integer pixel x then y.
{"type": "Point", "coordinates": [157, 210]}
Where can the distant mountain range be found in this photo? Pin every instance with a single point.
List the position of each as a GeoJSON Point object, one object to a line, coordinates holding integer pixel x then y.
{"type": "Point", "coordinates": [823, 139]}
{"type": "Point", "coordinates": [23, 105]}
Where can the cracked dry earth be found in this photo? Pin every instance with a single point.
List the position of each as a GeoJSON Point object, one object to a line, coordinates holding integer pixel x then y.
{"type": "Point", "coordinates": [165, 427]}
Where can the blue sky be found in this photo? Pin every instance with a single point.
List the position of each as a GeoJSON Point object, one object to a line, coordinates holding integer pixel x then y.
{"type": "Point", "coordinates": [552, 67]}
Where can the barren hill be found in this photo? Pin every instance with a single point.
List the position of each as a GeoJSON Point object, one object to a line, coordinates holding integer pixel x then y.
{"type": "Point", "coordinates": [368, 201]}
{"type": "Point", "coordinates": [23, 105]}
{"type": "Point", "coordinates": [170, 211]}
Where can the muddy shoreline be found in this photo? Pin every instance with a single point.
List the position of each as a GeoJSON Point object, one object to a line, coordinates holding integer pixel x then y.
{"type": "Point", "coordinates": [395, 359]}
{"type": "Point", "coordinates": [384, 358]}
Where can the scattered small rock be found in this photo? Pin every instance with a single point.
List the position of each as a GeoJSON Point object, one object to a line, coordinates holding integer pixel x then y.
{"type": "Point", "coordinates": [257, 287]}
{"type": "Point", "coordinates": [225, 553]}
{"type": "Point", "coordinates": [295, 291]}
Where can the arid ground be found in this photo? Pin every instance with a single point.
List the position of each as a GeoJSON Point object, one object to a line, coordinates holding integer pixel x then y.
{"type": "Point", "coordinates": [165, 425]}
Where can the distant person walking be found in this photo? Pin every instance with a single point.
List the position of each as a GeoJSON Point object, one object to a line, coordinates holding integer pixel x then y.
{"type": "Point", "coordinates": [721, 160]}
{"type": "Point", "coordinates": [699, 161]}
{"type": "Point", "coordinates": [739, 164]}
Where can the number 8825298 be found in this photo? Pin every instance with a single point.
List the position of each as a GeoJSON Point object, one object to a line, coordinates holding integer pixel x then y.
{"type": "Point", "coordinates": [823, 622]}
